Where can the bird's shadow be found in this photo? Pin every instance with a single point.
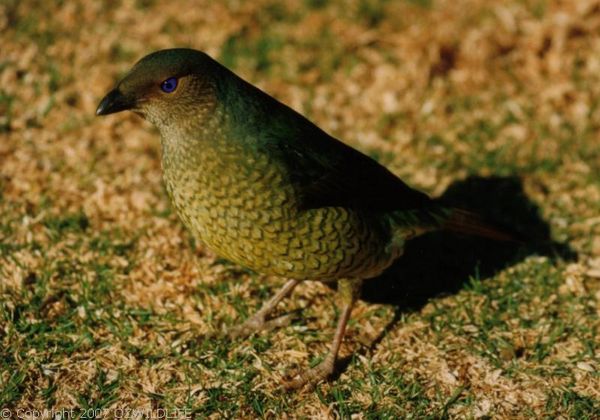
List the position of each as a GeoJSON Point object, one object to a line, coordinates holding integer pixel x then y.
{"type": "Point", "coordinates": [441, 263]}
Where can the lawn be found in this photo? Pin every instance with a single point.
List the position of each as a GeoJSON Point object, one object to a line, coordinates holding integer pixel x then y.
{"type": "Point", "coordinates": [107, 303]}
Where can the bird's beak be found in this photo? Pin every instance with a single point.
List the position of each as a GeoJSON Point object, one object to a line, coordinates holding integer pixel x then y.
{"type": "Point", "coordinates": [113, 102]}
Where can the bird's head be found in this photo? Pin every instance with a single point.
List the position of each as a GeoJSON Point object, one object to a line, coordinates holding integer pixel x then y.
{"type": "Point", "coordinates": [165, 86]}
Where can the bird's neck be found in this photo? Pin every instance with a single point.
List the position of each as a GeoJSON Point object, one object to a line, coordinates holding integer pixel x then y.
{"type": "Point", "coordinates": [188, 143]}
{"type": "Point", "coordinates": [220, 135]}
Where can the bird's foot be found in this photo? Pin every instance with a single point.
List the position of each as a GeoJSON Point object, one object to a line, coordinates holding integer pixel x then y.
{"type": "Point", "coordinates": [257, 323]}
{"type": "Point", "coordinates": [312, 376]}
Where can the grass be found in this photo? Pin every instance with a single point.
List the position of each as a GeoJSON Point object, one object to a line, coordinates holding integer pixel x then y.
{"type": "Point", "coordinates": [107, 303]}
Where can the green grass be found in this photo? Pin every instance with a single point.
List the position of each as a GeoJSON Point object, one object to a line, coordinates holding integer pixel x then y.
{"type": "Point", "coordinates": [107, 303]}
{"type": "Point", "coordinates": [260, 51]}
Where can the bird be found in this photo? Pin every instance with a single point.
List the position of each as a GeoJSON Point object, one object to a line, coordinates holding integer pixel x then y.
{"type": "Point", "coordinates": [262, 186]}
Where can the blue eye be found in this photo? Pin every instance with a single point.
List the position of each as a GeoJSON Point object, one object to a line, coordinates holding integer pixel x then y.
{"type": "Point", "coordinates": [169, 85]}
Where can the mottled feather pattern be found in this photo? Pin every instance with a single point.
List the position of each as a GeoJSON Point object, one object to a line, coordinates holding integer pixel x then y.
{"type": "Point", "coordinates": [244, 207]}
{"type": "Point", "coordinates": [247, 177]}
{"type": "Point", "coordinates": [262, 186]}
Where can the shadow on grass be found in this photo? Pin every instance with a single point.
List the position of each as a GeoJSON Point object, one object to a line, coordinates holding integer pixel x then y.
{"type": "Point", "coordinates": [441, 263]}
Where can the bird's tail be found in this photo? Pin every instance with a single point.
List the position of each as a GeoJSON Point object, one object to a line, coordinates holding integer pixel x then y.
{"type": "Point", "coordinates": [451, 219]}
{"type": "Point", "coordinates": [468, 223]}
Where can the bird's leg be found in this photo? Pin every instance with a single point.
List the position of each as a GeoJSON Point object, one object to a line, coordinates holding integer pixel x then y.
{"type": "Point", "coordinates": [258, 321]}
{"type": "Point", "coordinates": [348, 291]}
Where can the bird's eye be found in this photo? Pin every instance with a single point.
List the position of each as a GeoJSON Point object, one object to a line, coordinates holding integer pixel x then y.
{"type": "Point", "coordinates": [169, 85]}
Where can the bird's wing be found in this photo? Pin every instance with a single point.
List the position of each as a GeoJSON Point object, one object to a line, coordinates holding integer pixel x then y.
{"type": "Point", "coordinates": [326, 172]}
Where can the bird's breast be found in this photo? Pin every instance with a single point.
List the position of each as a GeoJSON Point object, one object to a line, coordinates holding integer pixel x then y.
{"type": "Point", "coordinates": [243, 207]}
{"type": "Point", "coordinates": [238, 204]}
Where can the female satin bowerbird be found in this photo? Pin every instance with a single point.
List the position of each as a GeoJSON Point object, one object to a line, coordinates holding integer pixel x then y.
{"type": "Point", "coordinates": [262, 186]}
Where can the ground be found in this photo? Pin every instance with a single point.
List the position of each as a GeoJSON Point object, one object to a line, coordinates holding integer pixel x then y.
{"type": "Point", "coordinates": [107, 303]}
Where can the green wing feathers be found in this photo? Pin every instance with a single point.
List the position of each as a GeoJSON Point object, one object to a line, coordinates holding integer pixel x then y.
{"type": "Point", "coordinates": [325, 172]}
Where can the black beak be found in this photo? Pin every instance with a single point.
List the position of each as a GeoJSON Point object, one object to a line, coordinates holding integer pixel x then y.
{"type": "Point", "coordinates": [113, 102]}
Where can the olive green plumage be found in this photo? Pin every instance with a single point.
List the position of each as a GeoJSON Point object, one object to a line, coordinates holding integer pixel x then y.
{"type": "Point", "coordinates": [262, 186]}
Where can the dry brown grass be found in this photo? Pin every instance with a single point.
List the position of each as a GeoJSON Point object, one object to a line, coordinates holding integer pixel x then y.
{"type": "Point", "coordinates": [92, 252]}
